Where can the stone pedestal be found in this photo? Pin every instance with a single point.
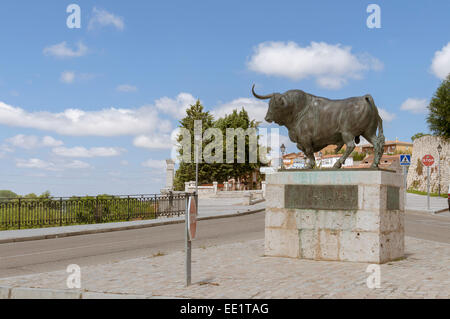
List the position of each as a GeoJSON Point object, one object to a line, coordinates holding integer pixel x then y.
{"type": "Point", "coordinates": [341, 215]}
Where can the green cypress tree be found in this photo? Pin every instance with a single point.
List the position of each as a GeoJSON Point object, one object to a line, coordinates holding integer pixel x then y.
{"type": "Point", "coordinates": [439, 116]}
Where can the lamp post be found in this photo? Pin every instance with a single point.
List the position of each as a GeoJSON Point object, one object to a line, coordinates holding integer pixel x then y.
{"type": "Point", "coordinates": [283, 150]}
{"type": "Point", "coordinates": [439, 149]}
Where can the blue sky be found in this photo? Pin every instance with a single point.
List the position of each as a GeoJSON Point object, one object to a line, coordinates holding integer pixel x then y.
{"type": "Point", "coordinates": [92, 110]}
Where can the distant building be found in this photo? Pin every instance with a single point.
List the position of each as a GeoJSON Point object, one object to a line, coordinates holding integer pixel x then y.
{"type": "Point", "coordinates": [391, 147]}
{"type": "Point", "coordinates": [391, 162]}
{"type": "Point", "coordinates": [331, 149]}
{"type": "Point", "coordinates": [328, 161]}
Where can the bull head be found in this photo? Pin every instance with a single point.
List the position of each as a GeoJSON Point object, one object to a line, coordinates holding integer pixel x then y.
{"type": "Point", "coordinates": [278, 106]}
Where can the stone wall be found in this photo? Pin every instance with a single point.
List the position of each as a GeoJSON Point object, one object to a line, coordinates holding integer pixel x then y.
{"type": "Point", "coordinates": [417, 173]}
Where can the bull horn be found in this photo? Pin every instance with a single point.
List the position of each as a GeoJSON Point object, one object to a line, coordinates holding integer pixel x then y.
{"type": "Point", "coordinates": [261, 97]}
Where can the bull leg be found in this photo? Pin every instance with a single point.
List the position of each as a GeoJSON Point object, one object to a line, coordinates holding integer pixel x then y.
{"type": "Point", "coordinates": [311, 162]}
{"type": "Point", "coordinates": [338, 147]}
{"type": "Point", "coordinates": [377, 150]}
{"type": "Point", "coordinates": [350, 143]}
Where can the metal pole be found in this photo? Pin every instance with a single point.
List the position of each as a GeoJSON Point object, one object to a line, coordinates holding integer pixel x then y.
{"type": "Point", "coordinates": [196, 167]}
{"type": "Point", "coordinates": [404, 177]}
{"type": "Point", "coordinates": [439, 180]}
{"type": "Point", "coordinates": [187, 244]}
{"type": "Point", "coordinates": [60, 211]}
{"type": "Point", "coordinates": [428, 187]}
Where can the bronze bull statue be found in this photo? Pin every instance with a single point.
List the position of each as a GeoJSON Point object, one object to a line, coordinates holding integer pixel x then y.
{"type": "Point", "coordinates": [315, 122]}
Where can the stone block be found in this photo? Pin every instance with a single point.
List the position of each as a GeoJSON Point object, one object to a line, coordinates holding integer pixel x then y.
{"type": "Point", "coordinates": [329, 244]}
{"type": "Point", "coordinates": [275, 196]}
{"type": "Point", "coordinates": [392, 246]}
{"type": "Point", "coordinates": [367, 220]}
{"type": "Point", "coordinates": [308, 243]}
{"type": "Point", "coordinates": [281, 218]}
{"type": "Point", "coordinates": [306, 219]}
{"type": "Point", "coordinates": [359, 246]}
{"type": "Point", "coordinates": [281, 242]}
{"type": "Point", "coordinates": [371, 197]}
{"type": "Point", "coordinates": [337, 220]}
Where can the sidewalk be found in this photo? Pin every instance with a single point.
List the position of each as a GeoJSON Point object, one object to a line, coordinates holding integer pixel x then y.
{"type": "Point", "coordinates": [419, 203]}
{"type": "Point", "coordinates": [240, 270]}
{"type": "Point", "coordinates": [208, 209]}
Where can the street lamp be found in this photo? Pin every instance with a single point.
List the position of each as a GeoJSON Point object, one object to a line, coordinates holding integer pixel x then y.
{"type": "Point", "coordinates": [439, 149]}
{"type": "Point", "coordinates": [283, 150]}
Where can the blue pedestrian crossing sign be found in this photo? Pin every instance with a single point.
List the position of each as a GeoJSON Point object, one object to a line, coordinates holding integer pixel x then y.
{"type": "Point", "coordinates": [405, 160]}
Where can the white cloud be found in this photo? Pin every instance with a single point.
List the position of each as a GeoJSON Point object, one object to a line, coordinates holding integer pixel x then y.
{"type": "Point", "coordinates": [67, 77]}
{"type": "Point", "coordinates": [331, 65]}
{"type": "Point", "coordinates": [385, 115]}
{"type": "Point", "coordinates": [126, 88]}
{"type": "Point", "coordinates": [440, 66]}
{"type": "Point", "coordinates": [61, 50]}
{"type": "Point", "coordinates": [256, 109]}
{"type": "Point", "coordinates": [76, 122]}
{"type": "Point", "coordinates": [32, 141]}
{"type": "Point", "coordinates": [176, 107]}
{"type": "Point", "coordinates": [103, 18]}
{"type": "Point", "coordinates": [37, 163]}
{"type": "Point", "coordinates": [84, 152]}
{"type": "Point", "coordinates": [157, 164]}
{"type": "Point", "coordinates": [155, 141]}
{"type": "Point", "coordinates": [34, 163]}
{"type": "Point", "coordinates": [5, 149]}
{"type": "Point", "coordinates": [76, 164]}
{"type": "Point", "coordinates": [415, 105]}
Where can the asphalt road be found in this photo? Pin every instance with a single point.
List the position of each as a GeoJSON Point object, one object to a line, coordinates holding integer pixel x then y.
{"type": "Point", "coordinates": [56, 254]}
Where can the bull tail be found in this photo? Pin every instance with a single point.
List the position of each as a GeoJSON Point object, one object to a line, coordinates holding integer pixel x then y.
{"type": "Point", "coordinates": [380, 139]}
{"type": "Point", "coordinates": [371, 102]}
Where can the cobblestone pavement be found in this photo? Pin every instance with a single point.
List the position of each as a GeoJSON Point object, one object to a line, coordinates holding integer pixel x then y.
{"type": "Point", "coordinates": [240, 270]}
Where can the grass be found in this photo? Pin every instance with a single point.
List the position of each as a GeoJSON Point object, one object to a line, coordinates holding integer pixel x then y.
{"type": "Point", "coordinates": [412, 191]}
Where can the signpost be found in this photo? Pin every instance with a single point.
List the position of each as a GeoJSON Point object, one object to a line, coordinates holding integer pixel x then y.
{"type": "Point", "coordinates": [191, 229]}
{"type": "Point", "coordinates": [428, 161]}
{"type": "Point", "coordinates": [405, 160]}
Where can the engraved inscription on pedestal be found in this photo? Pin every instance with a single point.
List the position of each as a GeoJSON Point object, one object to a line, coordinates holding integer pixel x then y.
{"type": "Point", "coordinates": [324, 197]}
{"type": "Point", "coordinates": [393, 198]}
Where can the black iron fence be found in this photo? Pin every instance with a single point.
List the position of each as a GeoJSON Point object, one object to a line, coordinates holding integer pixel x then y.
{"type": "Point", "coordinates": [20, 213]}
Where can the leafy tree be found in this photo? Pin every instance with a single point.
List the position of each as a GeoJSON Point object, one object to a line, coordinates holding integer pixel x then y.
{"type": "Point", "coordinates": [237, 120]}
{"type": "Point", "coordinates": [186, 171]}
{"type": "Point", "coordinates": [358, 156]}
{"type": "Point", "coordinates": [418, 135]}
{"type": "Point", "coordinates": [45, 195]}
{"type": "Point", "coordinates": [439, 116]}
{"type": "Point", "coordinates": [31, 196]}
{"type": "Point", "coordinates": [7, 194]}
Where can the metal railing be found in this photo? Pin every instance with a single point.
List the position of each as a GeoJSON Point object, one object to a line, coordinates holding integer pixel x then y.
{"type": "Point", "coordinates": [20, 213]}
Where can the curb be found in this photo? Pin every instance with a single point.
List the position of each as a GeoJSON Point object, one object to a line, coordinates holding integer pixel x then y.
{"type": "Point", "coordinates": [444, 210]}
{"type": "Point", "coordinates": [38, 293]}
{"type": "Point", "coordinates": [112, 229]}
